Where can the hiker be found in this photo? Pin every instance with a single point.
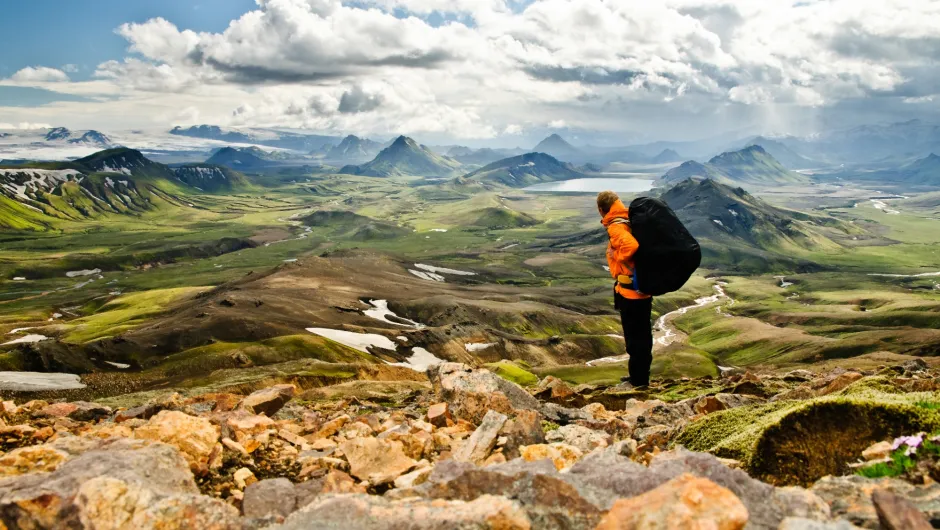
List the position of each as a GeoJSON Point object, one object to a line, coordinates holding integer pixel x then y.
{"type": "Point", "coordinates": [635, 307]}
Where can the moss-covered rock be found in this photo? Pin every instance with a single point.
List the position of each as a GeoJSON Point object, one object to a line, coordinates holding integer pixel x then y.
{"type": "Point", "coordinates": [798, 442]}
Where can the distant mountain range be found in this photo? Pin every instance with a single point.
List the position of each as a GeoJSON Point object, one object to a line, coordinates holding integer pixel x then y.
{"type": "Point", "coordinates": [922, 172]}
{"type": "Point", "coordinates": [267, 137]}
{"type": "Point", "coordinates": [405, 157]}
{"type": "Point", "coordinates": [787, 157]}
{"type": "Point", "coordinates": [481, 157]}
{"type": "Point", "coordinates": [751, 166]}
{"type": "Point", "coordinates": [524, 170]}
{"type": "Point", "coordinates": [353, 149]}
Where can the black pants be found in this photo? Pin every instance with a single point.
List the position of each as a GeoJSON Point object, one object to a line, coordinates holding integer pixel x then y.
{"type": "Point", "coordinates": [635, 316]}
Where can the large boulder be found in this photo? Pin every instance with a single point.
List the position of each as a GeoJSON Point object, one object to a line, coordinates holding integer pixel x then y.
{"type": "Point", "coordinates": [364, 512]}
{"type": "Point", "coordinates": [471, 393]}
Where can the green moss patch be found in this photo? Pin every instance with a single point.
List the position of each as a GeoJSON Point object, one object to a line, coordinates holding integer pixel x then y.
{"type": "Point", "coordinates": [511, 371]}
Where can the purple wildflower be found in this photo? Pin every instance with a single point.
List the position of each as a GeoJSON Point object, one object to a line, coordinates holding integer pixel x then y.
{"type": "Point", "coordinates": [911, 443]}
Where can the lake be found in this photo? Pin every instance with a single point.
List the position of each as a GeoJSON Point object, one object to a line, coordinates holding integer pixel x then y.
{"type": "Point", "coordinates": [595, 185]}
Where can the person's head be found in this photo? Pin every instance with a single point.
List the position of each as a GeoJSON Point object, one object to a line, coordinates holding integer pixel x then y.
{"type": "Point", "coordinates": [605, 201]}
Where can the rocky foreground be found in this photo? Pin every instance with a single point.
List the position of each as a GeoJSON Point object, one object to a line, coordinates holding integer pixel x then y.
{"type": "Point", "coordinates": [478, 451]}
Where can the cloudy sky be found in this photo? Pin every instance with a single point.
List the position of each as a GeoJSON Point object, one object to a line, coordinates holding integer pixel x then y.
{"type": "Point", "coordinates": [604, 71]}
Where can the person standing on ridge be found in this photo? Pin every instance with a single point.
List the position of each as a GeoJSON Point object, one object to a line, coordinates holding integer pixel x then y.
{"type": "Point", "coordinates": [635, 307]}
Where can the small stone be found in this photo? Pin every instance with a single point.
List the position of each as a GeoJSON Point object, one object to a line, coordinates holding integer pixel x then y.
{"type": "Point", "coordinates": [34, 459]}
{"type": "Point", "coordinates": [800, 523]}
{"type": "Point", "coordinates": [195, 437]}
{"type": "Point", "coordinates": [687, 502]}
{"type": "Point", "coordinates": [414, 478]}
{"type": "Point", "coordinates": [143, 412]}
{"type": "Point", "coordinates": [244, 478]}
{"type": "Point", "coordinates": [269, 400]}
{"type": "Point", "coordinates": [295, 439]}
{"type": "Point", "coordinates": [86, 411]}
{"type": "Point", "coordinates": [586, 440]}
{"type": "Point", "coordinates": [439, 415]}
{"type": "Point", "coordinates": [562, 456]}
{"type": "Point", "coordinates": [332, 427]}
{"type": "Point", "coordinates": [896, 513]}
{"type": "Point", "coordinates": [235, 446]}
{"type": "Point", "coordinates": [481, 443]}
{"type": "Point", "coordinates": [877, 451]}
{"type": "Point", "coordinates": [376, 461]}
{"type": "Point", "coordinates": [269, 497]}
{"type": "Point", "coordinates": [57, 410]}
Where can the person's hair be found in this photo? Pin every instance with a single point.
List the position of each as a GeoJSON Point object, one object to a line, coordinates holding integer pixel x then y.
{"type": "Point", "coordinates": [606, 200]}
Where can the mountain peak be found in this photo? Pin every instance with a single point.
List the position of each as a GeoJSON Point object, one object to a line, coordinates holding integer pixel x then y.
{"type": "Point", "coordinates": [403, 141]}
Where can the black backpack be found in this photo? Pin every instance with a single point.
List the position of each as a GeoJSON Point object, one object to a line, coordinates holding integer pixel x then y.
{"type": "Point", "coordinates": [668, 254]}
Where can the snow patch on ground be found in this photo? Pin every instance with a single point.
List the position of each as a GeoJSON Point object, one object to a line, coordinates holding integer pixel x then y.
{"type": "Point", "coordinates": [427, 276]}
{"type": "Point", "coordinates": [883, 206]}
{"type": "Point", "coordinates": [442, 230]}
{"type": "Point", "coordinates": [475, 347]}
{"type": "Point", "coordinates": [18, 330]}
{"type": "Point", "coordinates": [609, 360]}
{"type": "Point", "coordinates": [420, 360]}
{"type": "Point", "coordinates": [441, 270]}
{"type": "Point", "coordinates": [381, 312]}
{"type": "Point", "coordinates": [356, 341]}
{"type": "Point", "coordinates": [28, 339]}
{"type": "Point", "coordinates": [783, 282]}
{"type": "Point", "coordinates": [922, 275]}
{"type": "Point", "coordinates": [87, 272]}
{"type": "Point", "coordinates": [38, 382]}
{"type": "Point", "coordinates": [122, 366]}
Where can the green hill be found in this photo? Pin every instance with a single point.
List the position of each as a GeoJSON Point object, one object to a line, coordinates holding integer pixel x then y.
{"type": "Point", "coordinates": [405, 157]}
{"type": "Point", "coordinates": [352, 225]}
{"type": "Point", "coordinates": [752, 166]}
{"type": "Point", "coordinates": [500, 218]}
{"type": "Point", "coordinates": [738, 229]}
{"type": "Point", "coordinates": [522, 171]}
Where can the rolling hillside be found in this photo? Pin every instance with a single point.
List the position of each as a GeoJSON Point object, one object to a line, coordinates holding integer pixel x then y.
{"type": "Point", "coordinates": [405, 157]}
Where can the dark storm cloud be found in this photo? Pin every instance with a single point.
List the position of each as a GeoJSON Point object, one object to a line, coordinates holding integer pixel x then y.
{"type": "Point", "coordinates": [586, 75]}
{"type": "Point", "coordinates": [357, 100]}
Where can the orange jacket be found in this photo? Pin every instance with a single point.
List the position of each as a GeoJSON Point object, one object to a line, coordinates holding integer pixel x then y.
{"type": "Point", "coordinates": [622, 247]}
